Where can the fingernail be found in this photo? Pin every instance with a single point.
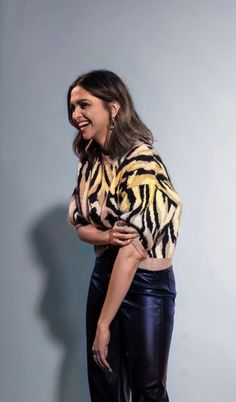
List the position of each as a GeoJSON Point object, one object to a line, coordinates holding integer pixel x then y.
{"type": "Point", "coordinates": [120, 223]}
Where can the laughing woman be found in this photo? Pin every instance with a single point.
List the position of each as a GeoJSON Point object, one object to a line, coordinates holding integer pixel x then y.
{"type": "Point", "coordinates": [124, 204]}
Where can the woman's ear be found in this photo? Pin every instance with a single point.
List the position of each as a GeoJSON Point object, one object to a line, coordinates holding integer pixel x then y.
{"type": "Point", "coordinates": [115, 106]}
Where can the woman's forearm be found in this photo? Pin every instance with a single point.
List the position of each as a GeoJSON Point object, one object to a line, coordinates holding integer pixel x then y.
{"type": "Point", "coordinates": [90, 234]}
{"type": "Point", "coordinates": [123, 271]}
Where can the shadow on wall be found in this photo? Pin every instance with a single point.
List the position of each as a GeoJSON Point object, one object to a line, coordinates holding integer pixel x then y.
{"type": "Point", "coordinates": [67, 264]}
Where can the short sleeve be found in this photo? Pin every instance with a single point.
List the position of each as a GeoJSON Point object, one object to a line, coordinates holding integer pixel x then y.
{"type": "Point", "coordinates": [147, 201]}
{"type": "Point", "coordinates": [73, 216]}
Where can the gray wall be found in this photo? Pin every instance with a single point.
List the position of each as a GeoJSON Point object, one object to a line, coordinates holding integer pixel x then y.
{"type": "Point", "coordinates": [178, 59]}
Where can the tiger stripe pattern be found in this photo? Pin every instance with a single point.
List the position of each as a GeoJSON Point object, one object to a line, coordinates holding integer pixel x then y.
{"type": "Point", "coordinates": [136, 189]}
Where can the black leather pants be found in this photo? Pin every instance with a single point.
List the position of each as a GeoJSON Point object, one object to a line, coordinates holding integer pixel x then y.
{"type": "Point", "coordinates": [140, 335]}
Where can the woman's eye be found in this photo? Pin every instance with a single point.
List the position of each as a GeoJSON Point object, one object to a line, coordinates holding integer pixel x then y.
{"type": "Point", "coordinates": [83, 105]}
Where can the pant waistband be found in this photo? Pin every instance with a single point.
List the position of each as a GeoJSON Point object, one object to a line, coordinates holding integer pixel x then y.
{"type": "Point", "coordinates": [155, 264]}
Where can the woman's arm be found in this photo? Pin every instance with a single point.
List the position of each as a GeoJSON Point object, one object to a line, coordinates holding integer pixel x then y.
{"type": "Point", "coordinates": [118, 235]}
{"type": "Point", "coordinates": [90, 234]}
{"type": "Point", "coordinates": [125, 266]}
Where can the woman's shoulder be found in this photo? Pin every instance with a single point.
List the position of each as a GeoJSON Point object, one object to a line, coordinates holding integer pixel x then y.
{"type": "Point", "coordinates": [137, 149]}
{"type": "Point", "coordinates": [142, 148]}
{"type": "Point", "coordinates": [139, 161]}
{"type": "Point", "coordinates": [143, 159]}
{"type": "Point", "coordinates": [139, 155]}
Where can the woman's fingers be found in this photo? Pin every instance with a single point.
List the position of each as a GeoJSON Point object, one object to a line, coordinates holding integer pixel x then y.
{"type": "Point", "coordinates": [122, 235]}
{"type": "Point", "coordinates": [125, 229]}
{"type": "Point", "coordinates": [123, 239]}
{"type": "Point", "coordinates": [102, 360]}
{"type": "Point", "coordinates": [120, 242]}
{"type": "Point", "coordinates": [100, 348]}
{"type": "Point", "coordinates": [125, 232]}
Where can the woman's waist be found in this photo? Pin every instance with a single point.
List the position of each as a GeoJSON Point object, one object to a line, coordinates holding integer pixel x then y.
{"type": "Point", "coordinates": [149, 263]}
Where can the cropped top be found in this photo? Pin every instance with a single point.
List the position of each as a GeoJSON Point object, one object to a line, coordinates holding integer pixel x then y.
{"type": "Point", "coordinates": [135, 189]}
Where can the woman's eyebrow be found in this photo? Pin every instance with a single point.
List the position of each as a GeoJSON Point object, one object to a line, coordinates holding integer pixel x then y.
{"type": "Point", "coordinates": [79, 101]}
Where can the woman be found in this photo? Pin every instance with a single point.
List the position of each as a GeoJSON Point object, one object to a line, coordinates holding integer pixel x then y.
{"type": "Point", "coordinates": [124, 204]}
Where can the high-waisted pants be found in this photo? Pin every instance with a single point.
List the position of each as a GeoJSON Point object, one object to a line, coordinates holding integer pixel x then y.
{"type": "Point", "coordinates": [140, 335]}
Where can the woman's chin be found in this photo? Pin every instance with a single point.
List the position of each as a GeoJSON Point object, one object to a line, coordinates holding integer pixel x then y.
{"type": "Point", "coordinates": [85, 135]}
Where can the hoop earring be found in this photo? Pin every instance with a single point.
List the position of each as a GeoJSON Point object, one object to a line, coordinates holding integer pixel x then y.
{"type": "Point", "coordinates": [113, 123]}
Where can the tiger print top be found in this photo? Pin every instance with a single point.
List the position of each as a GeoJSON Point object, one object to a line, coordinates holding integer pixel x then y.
{"type": "Point", "coordinates": [135, 189]}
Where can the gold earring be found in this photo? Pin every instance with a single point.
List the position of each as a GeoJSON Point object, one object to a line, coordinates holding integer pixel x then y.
{"type": "Point", "coordinates": [113, 123]}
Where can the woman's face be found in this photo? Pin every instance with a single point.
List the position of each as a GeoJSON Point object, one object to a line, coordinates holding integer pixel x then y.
{"type": "Point", "coordinates": [89, 115]}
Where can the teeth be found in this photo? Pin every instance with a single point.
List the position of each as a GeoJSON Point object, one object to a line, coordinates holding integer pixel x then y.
{"type": "Point", "coordinates": [83, 123]}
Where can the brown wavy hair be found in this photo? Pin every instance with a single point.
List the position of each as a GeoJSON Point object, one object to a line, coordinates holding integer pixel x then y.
{"type": "Point", "coordinates": [128, 129]}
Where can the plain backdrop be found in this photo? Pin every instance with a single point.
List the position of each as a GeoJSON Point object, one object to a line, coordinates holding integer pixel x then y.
{"type": "Point", "coordinates": [178, 59]}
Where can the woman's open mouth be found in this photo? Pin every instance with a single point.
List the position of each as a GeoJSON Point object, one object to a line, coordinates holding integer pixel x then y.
{"type": "Point", "coordinates": [83, 124]}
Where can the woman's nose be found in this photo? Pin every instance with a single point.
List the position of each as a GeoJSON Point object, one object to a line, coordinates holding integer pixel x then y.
{"type": "Point", "coordinates": [76, 113]}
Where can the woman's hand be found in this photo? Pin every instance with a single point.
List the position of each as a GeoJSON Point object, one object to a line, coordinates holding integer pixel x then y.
{"type": "Point", "coordinates": [121, 234]}
{"type": "Point", "coordinates": [118, 235]}
{"type": "Point", "coordinates": [100, 347]}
